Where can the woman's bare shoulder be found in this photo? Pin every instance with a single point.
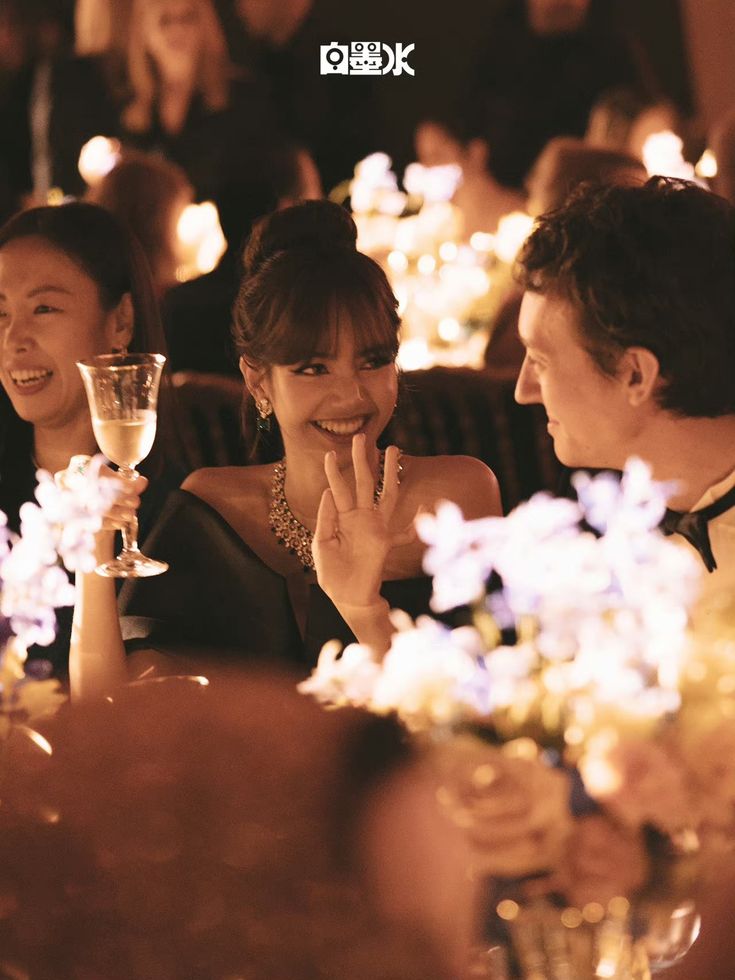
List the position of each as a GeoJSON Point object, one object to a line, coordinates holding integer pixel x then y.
{"type": "Point", "coordinates": [465, 480]}
{"type": "Point", "coordinates": [220, 484]}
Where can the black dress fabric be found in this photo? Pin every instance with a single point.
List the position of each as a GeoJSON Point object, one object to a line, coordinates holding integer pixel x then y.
{"type": "Point", "coordinates": [17, 470]}
{"type": "Point", "coordinates": [220, 600]}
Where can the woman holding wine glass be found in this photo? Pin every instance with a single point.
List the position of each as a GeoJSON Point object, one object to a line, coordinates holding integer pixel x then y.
{"type": "Point", "coordinates": [72, 286]}
{"type": "Point", "coordinates": [316, 327]}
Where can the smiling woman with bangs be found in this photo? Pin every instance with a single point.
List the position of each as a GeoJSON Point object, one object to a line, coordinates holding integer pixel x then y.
{"type": "Point", "coordinates": [316, 327]}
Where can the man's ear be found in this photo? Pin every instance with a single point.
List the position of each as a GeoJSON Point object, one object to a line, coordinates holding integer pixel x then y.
{"type": "Point", "coordinates": [641, 374]}
{"type": "Point", "coordinates": [254, 378]}
{"type": "Point", "coordinates": [120, 325]}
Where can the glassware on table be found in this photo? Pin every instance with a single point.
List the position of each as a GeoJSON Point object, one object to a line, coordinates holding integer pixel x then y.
{"type": "Point", "coordinates": [122, 390]}
{"type": "Point", "coordinates": [670, 934]}
{"type": "Point", "coordinates": [616, 941]}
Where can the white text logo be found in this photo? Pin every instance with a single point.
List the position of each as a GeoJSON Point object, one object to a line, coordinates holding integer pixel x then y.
{"type": "Point", "coordinates": [365, 58]}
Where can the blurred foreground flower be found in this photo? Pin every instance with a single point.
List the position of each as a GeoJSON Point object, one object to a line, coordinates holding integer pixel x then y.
{"type": "Point", "coordinates": [59, 527]}
{"type": "Point", "coordinates": [581, 651]}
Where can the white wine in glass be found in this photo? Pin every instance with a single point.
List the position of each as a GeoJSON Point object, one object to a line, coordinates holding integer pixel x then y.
{"type": "Point", "coordinates": [122, 391]}
{"type": "Point", "coordinates": [126, 441]}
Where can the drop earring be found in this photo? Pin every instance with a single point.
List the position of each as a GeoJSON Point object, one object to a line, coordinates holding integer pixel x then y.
{"type": "Point", "coordinates": [265, 410]}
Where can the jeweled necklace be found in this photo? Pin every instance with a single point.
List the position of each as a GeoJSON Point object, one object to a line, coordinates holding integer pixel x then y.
{"type": "Point", "coordinates": [288, 529]}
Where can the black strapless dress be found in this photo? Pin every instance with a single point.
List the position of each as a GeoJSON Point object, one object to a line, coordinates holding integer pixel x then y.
{"type": "Point", "coordinates": [219, 599]}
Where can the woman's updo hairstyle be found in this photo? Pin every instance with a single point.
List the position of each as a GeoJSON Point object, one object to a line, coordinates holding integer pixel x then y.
{"type": "Point", "coordinates": [313, 224]}
{"type": "Point", "coordinates": [304, 279]}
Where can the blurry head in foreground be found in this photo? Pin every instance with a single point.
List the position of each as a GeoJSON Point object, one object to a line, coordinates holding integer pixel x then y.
{"type": "Point", "coordinates": [230, 830]}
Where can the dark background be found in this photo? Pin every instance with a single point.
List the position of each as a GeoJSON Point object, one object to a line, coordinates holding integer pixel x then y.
{"type": "Point", "coordinates": [447, 34]}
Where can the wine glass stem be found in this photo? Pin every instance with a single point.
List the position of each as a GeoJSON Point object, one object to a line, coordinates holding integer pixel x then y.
{"type": "Point", "coordinates": [130, 528]}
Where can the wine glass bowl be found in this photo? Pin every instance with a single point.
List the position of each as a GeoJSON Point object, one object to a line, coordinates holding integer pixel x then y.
{"type": "Point", "coordinates": [122, 391]}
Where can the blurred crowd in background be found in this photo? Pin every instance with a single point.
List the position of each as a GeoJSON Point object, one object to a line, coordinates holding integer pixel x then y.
{"type": "Point", "coordinates": [222, 101]}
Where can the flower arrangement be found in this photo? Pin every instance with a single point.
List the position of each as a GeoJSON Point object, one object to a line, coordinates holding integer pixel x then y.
{"type": "Point", "coordinates": [449, 290]}
{"type": "Point", "coordinates": [59, 527]}
{"type": "Point", "coordinates": [607, 724]}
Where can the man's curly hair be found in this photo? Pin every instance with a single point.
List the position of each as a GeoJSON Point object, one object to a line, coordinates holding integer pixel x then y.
{"type": "Point", "coordinates": [647, 266]}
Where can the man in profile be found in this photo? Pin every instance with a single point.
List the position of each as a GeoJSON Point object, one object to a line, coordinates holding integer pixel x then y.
{"type": "Point", "coordinates": [628, 322]}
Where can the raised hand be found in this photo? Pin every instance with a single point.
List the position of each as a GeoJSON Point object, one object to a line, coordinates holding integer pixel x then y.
{"type": "Point", "coordinates": [353, 535]}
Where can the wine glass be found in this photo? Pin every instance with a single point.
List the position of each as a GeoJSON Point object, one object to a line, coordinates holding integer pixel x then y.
{"type": "Point", "coordinates": [122, 390]}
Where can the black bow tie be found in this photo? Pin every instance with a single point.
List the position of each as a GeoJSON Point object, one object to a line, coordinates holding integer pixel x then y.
{"type": "Point", "coordinates": [693, 526]}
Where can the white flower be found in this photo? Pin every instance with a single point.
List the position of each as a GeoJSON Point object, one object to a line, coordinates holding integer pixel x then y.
{"type": "Point", "coordinates": [633, 503]}
{"type": "Point", "coordinates": [32, 589]}
{"type": "Point", "coordinates": [73, 508]}
{"type": "Point", "coordinates": [6, 536]}
{"type": "Point", "coordinates": [508, 669]}
{"type": "Point", "coordinates": [524, 548]}
{"type": "Point", "coordinates": [601, 618]}
{"type": "Point", "coordinates": [62, 523]}
{"type": "Point", "coordinates": [343, 676]}
{"type": "Point", "coordinates": [430, 675]}
{"type": "Point", "coordinates": [456, 556]}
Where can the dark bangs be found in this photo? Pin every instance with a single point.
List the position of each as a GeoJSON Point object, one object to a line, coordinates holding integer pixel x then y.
{"type": "Point", "coordinates": [327, 293]}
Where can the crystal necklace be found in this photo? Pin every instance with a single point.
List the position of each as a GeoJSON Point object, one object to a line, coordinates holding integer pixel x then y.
{"type": "Point", "coordinates": [289, 531]}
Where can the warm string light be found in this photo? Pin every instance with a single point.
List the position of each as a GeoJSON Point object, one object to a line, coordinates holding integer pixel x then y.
{"type": "Point", "coordinates": [97, 158]}
{"type": "Point", "coordinates": [202, 242]}
{"type": "Point", "coordinates": [706, 166]}
{"type": "Point", "coordinates": [663, 155]}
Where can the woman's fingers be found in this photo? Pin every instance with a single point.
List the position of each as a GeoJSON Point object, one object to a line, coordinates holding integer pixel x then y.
{"type": "Point", "coordinates": [337, 484]}
{"type": "Point", "coordinates": [124, 507]}
{"type": "Point", "coordinates": [128, 487]}
{"type": "Point", "coordinates": [364, 494]}
{"type": "Point", "coordinates": [364, 479]}
{"type": "Point", "coordinates": [391, 471]}
{"type": "Point", "coordinates": [326, 518]}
